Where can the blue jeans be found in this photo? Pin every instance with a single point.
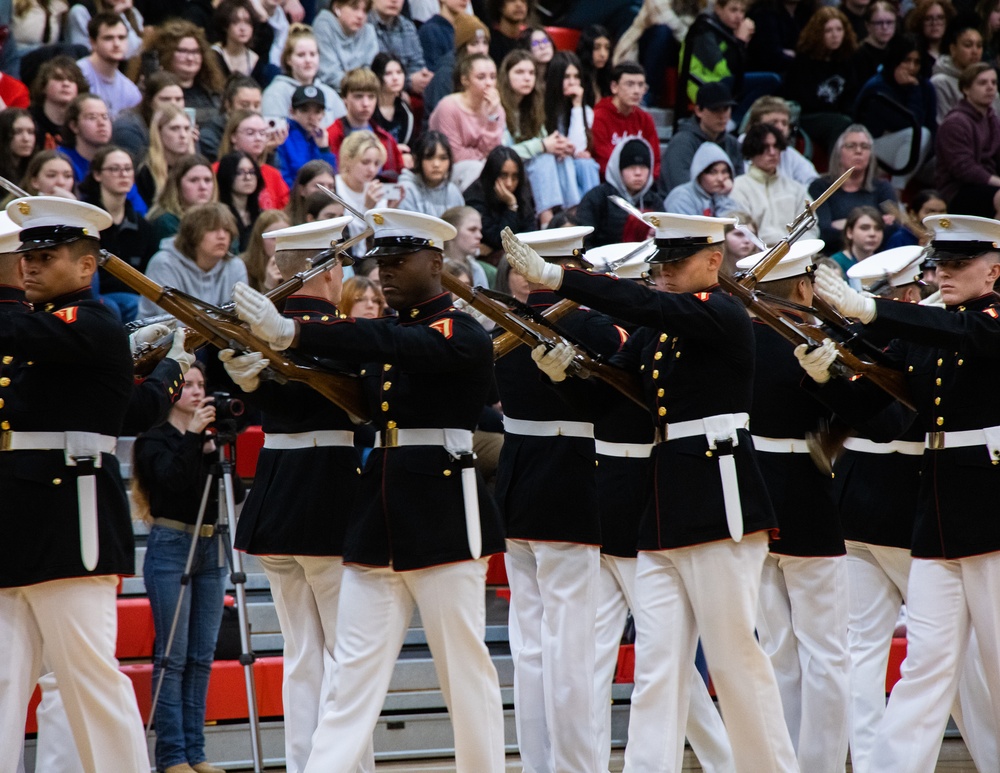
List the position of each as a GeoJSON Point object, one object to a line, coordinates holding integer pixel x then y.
{"type": "Point", "coordinates": [180, 711]}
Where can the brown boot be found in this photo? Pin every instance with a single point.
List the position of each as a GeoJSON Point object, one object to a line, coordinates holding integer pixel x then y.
{"type": "Point", "coordinates": [205, 767]}
{"type": "Point", "coordinates": [181, 768]}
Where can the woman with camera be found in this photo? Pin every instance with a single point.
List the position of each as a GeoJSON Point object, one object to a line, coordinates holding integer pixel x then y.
{"type": "Point", "coordinates": [172, 464]}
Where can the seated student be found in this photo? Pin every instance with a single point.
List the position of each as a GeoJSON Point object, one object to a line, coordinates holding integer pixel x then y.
{"type": "Point", "coordinates": [471, 37]}
{"type": "Point", "coordinates": [711, 183]}
{"type": "Point", "coordinates": [398, 35]}
{"type": "Point", "coordinates": [862, 238]}
{"type": "Point", "coordinates": [189, 184]}
{"type": "Point", "coordinates": [965, 48]}
{"type": "Point", "coordinates": [629, 175]}
{"type": "Point", "coordinates": [772, 199]}
{"type": "Point", "coordinates": [718, 43]}
{"type": "Point", "coordinates": [712, 111]}
{"type": "Point", "coordinates": [360, 89]}
{"type": "Point", "coordinates": [307, 140]}
{"type": "Point", "coordinates": [107, 40]}
{"type": "Point", "coordinates": [428, 185]}
{"type": "Point", "coordinates": [437, 34]}
{"type": "Point", "coordinates": [620, 116]}
{"type": "Point", "coordinates": [926, 203]}
{"type": "Point", "coordinates": [775, 111]}
{"type": "Point", "coordinates": [502, 196]}
{"type": "Point", "coordinates": [506, 19]}
{"type": "Point", "coordinates": [346, 39]}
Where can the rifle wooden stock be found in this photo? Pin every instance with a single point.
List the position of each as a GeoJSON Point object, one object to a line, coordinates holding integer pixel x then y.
{"type": "Point", "coordinates": [890, 380]}
{"type": "Point", "coordinates": [532, 333]}
{"type": "Point", "coordinates": [505, 343]}
{"type": "Point", "coordinates": [224, 330]}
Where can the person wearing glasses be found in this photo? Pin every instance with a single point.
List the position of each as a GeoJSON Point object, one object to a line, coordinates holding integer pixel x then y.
{"type": "Point", "coordinates": [129, 236]}
{"type": "Point", "coordinates": [881, 20]}
{"type": "Point", "coordinates": [620, 116]}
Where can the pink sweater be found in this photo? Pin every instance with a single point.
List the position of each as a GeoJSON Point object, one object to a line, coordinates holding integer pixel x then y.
{"type": "Point", "coordinates": [471, 136]}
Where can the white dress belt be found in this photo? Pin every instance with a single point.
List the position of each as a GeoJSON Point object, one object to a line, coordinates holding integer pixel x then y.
{"type": "Point", "coordinates": [50, 441]}
{"type": "Point", "coordinates": [285, 441]}
{"type": "Point", "coordinates": [695, 427]}
{"type": "Point", "coordinates": [988, 436]}
{"type": "Point", "coordinates": [624, 450]}
{"type": "Point", "coordinates": [865, 446]}
{"type": "Point", "coordinates": [423, 437]}
{"type": "Point", "coordinates": [788, 445]}
{"type": "Point", "coordinates": [548, 428]}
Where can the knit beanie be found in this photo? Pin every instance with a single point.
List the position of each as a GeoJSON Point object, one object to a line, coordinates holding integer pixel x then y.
{"type": "Point", "coordinates": [467, 29]}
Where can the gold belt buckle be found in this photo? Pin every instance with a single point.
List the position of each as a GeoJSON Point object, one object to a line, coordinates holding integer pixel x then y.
{"type": "Point", "coordinates": [5, 439]}
{"type": "Point", "coordinates": [935, 441]}
{"type": "Point", "coordinates": [207, 530]}
{"type": "Point", "coordinates": [390, 438]}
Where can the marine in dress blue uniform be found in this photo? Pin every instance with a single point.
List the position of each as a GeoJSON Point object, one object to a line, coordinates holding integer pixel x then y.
{"type": "Point", "coordinates": [950, 357]}
{"type": "Point", "coordinates": [64, 384]}
{"type": "Point", "coordinates": [417, 529]}
{"type": "Point", "coordinates": [704, 540]}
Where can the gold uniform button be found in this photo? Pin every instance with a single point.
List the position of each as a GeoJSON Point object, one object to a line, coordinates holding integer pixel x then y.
{"type": "Point", "coordinates": [56, 481]}
{"type": "Point", "coordinates": [7, 359]}
{"type": "Point", "coordinates": [414, 313]}
{"type": "Point", "coordinates": [940, 362]}
{"type": "Point", "coordinates": [447, 473]}
{"type": "Point", "coordinates": [324, 318]}
{"type": "Point", "coordinates": [305, 317]}
{"type": "Point", "coordinates": [708, 454]}
{"type": "Point", "coordinates": [662, 411]}
{"type": "Point", "coordinates": [910, 369]}
{"type": "Point", "coordinates": [937, 382]}
{"type": "Point", "coordinates": [363, 371]}
{"type": "Point", "coordinates": [390, 424]}
{"type": "Point", "coordinates": [597, 462]}
{"type": "Point", "coordinates": [937, 401]}
{"type": "Point", "coordinates": [385, 406]}
{"type": "Point", "coordinates": [359, 470]}
{"type": "Point", "coordinates": [658, 356]}
{"type": "Point", "coordinates": [1, 402]}
{"type": "Point", "coordinates": [677, 355]}
{"type": "Point", "coordinates": [5, 425]}
{"type": "Point", "coordinates": [387, 386]}
{"type": "Point", "coordinates": [656, 374]}
{"type": "Point", "coordinates": [387, 367]}
{"type": "Point", "coordinates": [961, 362]}
{"type": "Point", "coordinates": [961, 308]}
{"type": "Point", "coordinates": [659, 392]}
{"type": "Point", "coordinates": [4, 381]}
{"type": "Point", "coordinates": [940, 420]}
{"type": "Point", "coordinates": [663, 338]}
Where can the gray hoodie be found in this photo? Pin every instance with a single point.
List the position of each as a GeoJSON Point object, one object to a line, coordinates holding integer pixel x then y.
{"type": "Point", "coordinates": [945, 82]}
{"type": "Point", "coordinates": [690, 198]}
{"type": "Point", "coordinates": [170, 268]}
{"type": "Point", "coordinates": [429, 201]}
{"type": "Point", "coordinates": [276, 101]}
{"type": "Point", "coordinates": [340, 52]}
{"type": "Point", "coordinates": [613, 174]}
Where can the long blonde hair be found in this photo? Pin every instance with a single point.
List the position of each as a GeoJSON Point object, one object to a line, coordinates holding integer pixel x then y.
{"type": "Point", "coordinates": [156, 157]}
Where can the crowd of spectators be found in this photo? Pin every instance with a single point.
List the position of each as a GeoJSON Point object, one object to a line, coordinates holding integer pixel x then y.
{"type": "Point", "coordinates": [201, 126]}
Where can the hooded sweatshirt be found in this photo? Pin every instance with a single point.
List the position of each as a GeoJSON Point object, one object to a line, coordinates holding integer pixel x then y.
{"type": "Point", "coordinates": [968, 149]}
{"type": "Point", "coordinates": [170, 268]}
{"type": "Point", "coordinates": [611, 127]}
{"type": "Point", "coordinates": [596, 209]}
{"type": "Point", "coordinates": [691, 198]}
{"type": "Point", "coordinates": [340, 52]}
{"type": "Point", "coordinates": [276, 101]}
{"type": "Point", "coordinates": [945, 83]}
{"type": "Point", "coordinates": [681, 149]}
{"type": "Point", "coordinates": [430, 201]}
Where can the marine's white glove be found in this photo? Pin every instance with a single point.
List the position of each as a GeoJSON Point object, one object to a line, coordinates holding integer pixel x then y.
{"type": "Point", "coordinates": [178, 353]}
{"type": "Point", "coordinates": [553, 362]}
{"type": "Point", "coordinates": [264, 319]}
{"type": "Point", "coordinates": [528, 263]}
{"type": "Point", "coordinates": [244, 369]}
{"type": "Point", "coordinates": [831, 287]}
{"type": "Point", "coordinates": [934, 299]}
{"type": "Point", "coordinates": [485, 322]}
{"type": "Point", "coordinates": [147, 335]}
{"type": "Point", "coordinates": [817, 362]}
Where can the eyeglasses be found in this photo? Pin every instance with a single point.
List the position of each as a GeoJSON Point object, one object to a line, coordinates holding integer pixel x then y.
{"type": "Point", "coordinates": [541, 42]}
{"type": "Point", "coordinates": [857, 146]}
{"type": "Point", "coordinates": [116, 170]}
{"type": "Point", "coordinates": [188, 51]}
{"type": "Point", "coordinates": [254, 132]}
{"type": "Point", "coordinates": [246, 173]}
{"type": "Point", "coordinates": [883, 23]}
{"type": "Point", "coordinates": [95, 117]}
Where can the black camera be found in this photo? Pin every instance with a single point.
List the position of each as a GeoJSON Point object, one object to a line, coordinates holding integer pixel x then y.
{"type": "Point", "coordinates": [227, 407]}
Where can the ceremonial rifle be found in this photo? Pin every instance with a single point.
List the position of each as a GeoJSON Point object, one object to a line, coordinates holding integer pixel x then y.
{"type": "Point", "coordinates": [528, 330]}
{"type": "Point", "coordinates": [148, 356]}
{"type": "Point", "coordinates": [224, 330]}
{"type": "Point", "coordinates": [506, 342]}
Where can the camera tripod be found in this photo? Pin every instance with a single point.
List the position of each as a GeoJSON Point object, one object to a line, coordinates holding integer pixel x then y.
{"type": "Point", "coordinates": [221, 475]}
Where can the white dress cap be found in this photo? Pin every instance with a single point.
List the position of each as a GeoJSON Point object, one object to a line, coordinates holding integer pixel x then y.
{"type": "Point", "coordinates": [398, 231]}
{"type": "Point", "coordinates": [795, 263]}
{"type": "Point", "coordinates": [900, 266]}
{"type": "Point", "coordinates": [47, 221]}
{"type": "Point", "coordinates": [605, 257]}
{"type": "Point", "coordinates": [557, 242]}
{"type": "Point", "coordinates": [963, 234]}
{"type": "Point", "coordinates": [318, 235]}
{"type": "Point", "coordinates": [10, 239]}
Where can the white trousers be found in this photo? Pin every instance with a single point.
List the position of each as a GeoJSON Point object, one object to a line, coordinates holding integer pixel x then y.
{"type": "Point", "coordinates": [376, 606]}
{"type": "Point", "coordinates": [803, 629]}
{"type": "Point", "coordinates": [711, 589]}
{"type": "Point", "coordinates": [306, 591]}
{"type": "Point", "coordinates": [705, 730]}
{"type": "Point", "coordinates": [72, 624]}
{"type": "Point", "coordinates": [553, 606]}
{"type": "Point", "coordinates": [946, 602]}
